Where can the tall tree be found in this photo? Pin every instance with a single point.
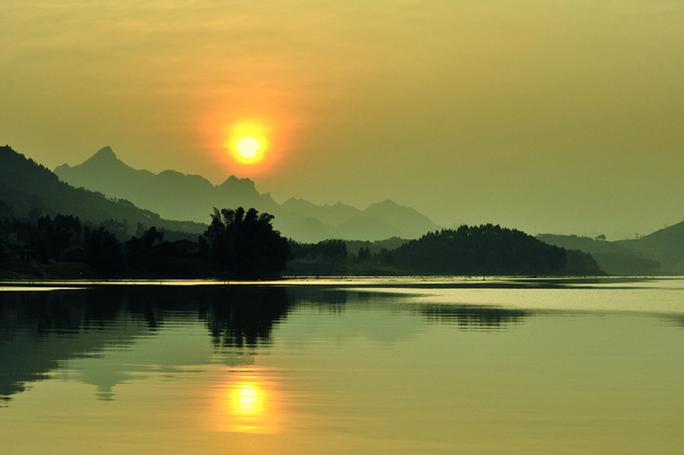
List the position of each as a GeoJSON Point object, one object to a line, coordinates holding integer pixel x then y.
{"type": "Point", "coordinates": [244, 243]}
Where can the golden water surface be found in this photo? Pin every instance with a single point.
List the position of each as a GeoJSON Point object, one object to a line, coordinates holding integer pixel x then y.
{"type": "Point", "coordinates": [376, 367]}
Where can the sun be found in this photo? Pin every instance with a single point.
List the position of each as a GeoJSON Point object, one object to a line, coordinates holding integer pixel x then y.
{"type": "Point", "coordinates": [248, 399]}
{"type": "Point", "coordinates": [248, 147]}
{"type": "Point", "coordinates": [248, 143]}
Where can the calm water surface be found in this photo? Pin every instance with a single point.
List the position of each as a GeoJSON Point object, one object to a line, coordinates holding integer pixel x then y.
{"type": "Point", "coordinates": [348, 367]}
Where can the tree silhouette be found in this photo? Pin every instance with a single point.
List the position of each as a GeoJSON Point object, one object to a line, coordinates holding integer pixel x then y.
{"type": "Point", "coordinates": [140, 247]}
{"type": "Point", "coordinates": [244, 243]}
{"type": "Point", "coordinates": [488, 250]}
{"type": "Point", "coordinates": [104, 251]}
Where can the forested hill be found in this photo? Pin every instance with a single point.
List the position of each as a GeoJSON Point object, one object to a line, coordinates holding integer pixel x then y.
{"type": "Point", "coordinates": [26, 186]}
{"type": "Point", "coordinates": [489, 250]}
{"type": "Point", "coordinates": [468, 250]}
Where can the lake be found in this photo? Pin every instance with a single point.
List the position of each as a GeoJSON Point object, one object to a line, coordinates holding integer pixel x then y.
{"type": "Point", "coordinates": [360, 366]}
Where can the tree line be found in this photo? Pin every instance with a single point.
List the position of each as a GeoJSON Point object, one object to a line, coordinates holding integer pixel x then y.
{"type": "Point", "coordinates": [469, 250]}
{"type": "Point", "coordinates": [243, 244]}
{"type": "Point", "coordinates": [237, 243]}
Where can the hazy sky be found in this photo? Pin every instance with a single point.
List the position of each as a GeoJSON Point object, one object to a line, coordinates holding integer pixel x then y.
{"type": "Point", "coordinates": [546, 115]}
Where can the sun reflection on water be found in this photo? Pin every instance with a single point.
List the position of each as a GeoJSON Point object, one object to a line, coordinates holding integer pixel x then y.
{"type": "Point", "coordinates": [247, 399]}
{"type": "Point", "coordinates": [248, 402]}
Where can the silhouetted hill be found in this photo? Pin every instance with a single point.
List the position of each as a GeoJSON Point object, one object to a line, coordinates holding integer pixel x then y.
{"type": "Point", "coordinates": [665, 246]}
{"type": "Point", "coordinates": [178, 196]}
{"type": "Point", "coordinates": [171, 194]}
{"type": "Point", "coordinates": [613, 257]}
{"type": "Point", "coordinates": [27, 186]}
{"type": "Point", "coordinates": [489, 250]}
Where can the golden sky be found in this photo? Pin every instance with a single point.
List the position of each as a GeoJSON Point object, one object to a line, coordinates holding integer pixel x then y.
{"type": "Point", "coordinates": [547, 115]}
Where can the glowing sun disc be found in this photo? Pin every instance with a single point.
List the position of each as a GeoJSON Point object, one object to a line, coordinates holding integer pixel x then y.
{"type": "Point", "coordinates": [248, 143]}
{"type": "Point", "coordinates": [248, 147]}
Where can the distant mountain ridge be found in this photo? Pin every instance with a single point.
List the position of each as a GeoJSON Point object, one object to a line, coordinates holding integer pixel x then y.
{"type": "Point", "coordinates": [665, 246]}
{"type": "Point", "coordinates": [661, 252]}
{"type": "Point", "coordinates": [26, 186]}
{"type": "Point", "coordinates": [176, 195]}
{"type": "Point", "coordinates": [613, 257]}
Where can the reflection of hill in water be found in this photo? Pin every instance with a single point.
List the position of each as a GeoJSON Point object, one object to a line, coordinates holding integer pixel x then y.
{"type": "Point", "coordinates": [474, 317]}
{"type": "Point", "coordinates": [675, 320]}
{"type": "Point", "coordinates": [53, 334]}
{"type": "Point", "coordinates": [39, 331]}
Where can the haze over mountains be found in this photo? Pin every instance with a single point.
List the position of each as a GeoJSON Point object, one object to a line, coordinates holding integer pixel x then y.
{"type": "Point", "coordinates": [661, 252]}
{"type": "Point", "coordinates": [175, 195]}
{"type": "Point", "coordinates": [665, 246]}
{"type": "Point", "coordinates": [27, 187]}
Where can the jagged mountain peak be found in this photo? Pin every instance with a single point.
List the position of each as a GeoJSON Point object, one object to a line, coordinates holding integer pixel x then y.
{"type": "Point", "coordinates": [176, 195]}
{"type": "Point", "coordinates": [104, 154]}
{"type": "Point", "coordinates": [298, 202]}
{"type": "Point", "coordinates": [29, 186]}
{"type": "Point", "coordinates": [387, 203]}
{"type": "Point", "coordinates": [236, 183]}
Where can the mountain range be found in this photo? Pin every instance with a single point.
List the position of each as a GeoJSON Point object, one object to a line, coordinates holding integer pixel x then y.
{"type": "Point", "coordinates": [661, 252]}
{"type": "Point", "coordinates": [27, 187]}
{"type": "Point", "coordinates": [665, 246]}
{"type": "Point", "coordinates": [179, 196]}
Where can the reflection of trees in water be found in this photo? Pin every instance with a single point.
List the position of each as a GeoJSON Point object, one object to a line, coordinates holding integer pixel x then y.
{"type": "Point", "coordinates": [475, 317]}
{"type": "Point", "coordinates": [331, 300]}
{"type": "Point", "coordinates": [240, 313]}
{"type": "Point", "coordinates": [236, 316]}
{"type": "Point", "coordinates": [38, 330]}
{"type": "Point", "coordinates": [676, 320]}
{"type": "Point", "coordinates": [244, 316]}
{"type": "Point", "coordinates": [41, 330]}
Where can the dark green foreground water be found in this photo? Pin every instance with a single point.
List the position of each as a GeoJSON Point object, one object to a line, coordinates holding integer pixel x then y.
{"type": "Point", "coordinates": [372, 367]}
